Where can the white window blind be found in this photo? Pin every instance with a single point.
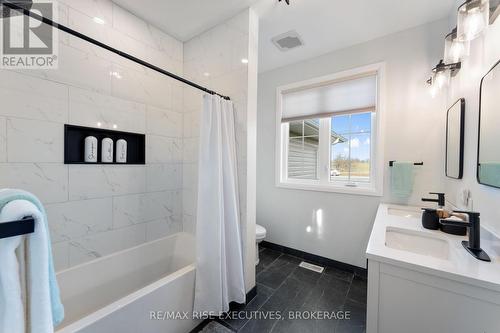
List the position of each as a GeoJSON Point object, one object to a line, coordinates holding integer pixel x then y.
{"type": "Point", "coordinates": [347, 96]}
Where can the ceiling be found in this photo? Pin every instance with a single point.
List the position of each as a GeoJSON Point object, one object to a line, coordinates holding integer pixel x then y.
{"type": "Point", "coordinates": [184, 19]}
{"type": "Point", "coordinates": [324, 25]}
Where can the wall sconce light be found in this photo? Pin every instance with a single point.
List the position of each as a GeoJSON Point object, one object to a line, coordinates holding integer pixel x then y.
{"type": "Point", "coordinates": [473, 18]}
{"type": "Point", "coordinates": [441, 75]}
{"type": "Point", "coordinates": [455, 50]}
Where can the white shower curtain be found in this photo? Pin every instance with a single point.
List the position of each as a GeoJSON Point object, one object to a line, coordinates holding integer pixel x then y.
{"type": "Point", "coordinates": [219, 257]}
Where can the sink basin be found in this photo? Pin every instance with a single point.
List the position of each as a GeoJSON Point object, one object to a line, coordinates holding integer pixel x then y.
{"type": "Point", "coordinates": [408, 213]}
{"type": "Point", "coordinates": [417, 242]}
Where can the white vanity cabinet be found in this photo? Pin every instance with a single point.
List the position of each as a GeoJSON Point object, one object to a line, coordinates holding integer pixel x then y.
{"type": "Point", "coordinates": [422, 281]}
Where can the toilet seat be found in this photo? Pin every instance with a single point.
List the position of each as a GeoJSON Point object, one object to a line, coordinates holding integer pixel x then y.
{"type": "Point", "coordinates": [260, 232]}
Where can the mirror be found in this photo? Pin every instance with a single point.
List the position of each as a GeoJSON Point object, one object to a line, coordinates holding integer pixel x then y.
{"type": "Point", "coordinates": [455, 125]}
{"type": "Point", "coordinates": [488, 168]}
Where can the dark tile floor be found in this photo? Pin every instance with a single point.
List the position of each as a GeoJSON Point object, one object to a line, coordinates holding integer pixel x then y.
{"type": "Point", "coordinates": [283, 288]}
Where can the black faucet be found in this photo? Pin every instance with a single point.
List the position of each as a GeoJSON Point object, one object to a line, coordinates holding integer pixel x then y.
{"type": "Point", "coordinates": [440, 200]}
{"type": "Point", "coordinates": [474, 243]}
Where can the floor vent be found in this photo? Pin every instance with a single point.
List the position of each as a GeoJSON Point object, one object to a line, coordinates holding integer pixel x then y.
{"type": "Point", "coordinates": [311, 267]}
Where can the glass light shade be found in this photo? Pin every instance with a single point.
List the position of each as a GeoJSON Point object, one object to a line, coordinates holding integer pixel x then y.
{"type": "Point", "coordinates": [454, 49]}
{"type": "Point", "coordinates": [473, 18]}
{"type": "Point", "coordinates": [433, 89]}
{"type": "Point", "coordinates": [441, 79]}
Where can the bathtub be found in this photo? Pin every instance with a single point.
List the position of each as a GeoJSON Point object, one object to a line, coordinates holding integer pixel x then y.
{"type": "Point", "coordinates": [120, 292]}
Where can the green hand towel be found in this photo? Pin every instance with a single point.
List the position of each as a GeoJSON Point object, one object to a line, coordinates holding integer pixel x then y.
{"type": "Point", "coordinates": [489, 173]}
{"type": "Point", "coordinates": [402, 179]}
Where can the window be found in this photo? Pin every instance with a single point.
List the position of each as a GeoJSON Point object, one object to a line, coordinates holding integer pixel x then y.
{"type": "Point", "coordinates": [328, 133]}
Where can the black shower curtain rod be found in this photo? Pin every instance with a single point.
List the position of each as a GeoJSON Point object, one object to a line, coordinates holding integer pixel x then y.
{"type": "Point", "coordinates": [77, 34]}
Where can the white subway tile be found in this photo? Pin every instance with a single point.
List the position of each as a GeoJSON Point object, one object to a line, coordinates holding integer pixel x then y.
{"type": "Point", "coordinates": [164, 122]}
{"type": "Point", "coordinates": [105, 243]}
{"type": "Point", "coordinates": [162, 177]}
{"type": "Point", "coordinates": [99, 181]}
{"type": "Point", "coordinates": [191, 147]}
{"type": "Point", "coordinates": [34, 141]}
{"type": "Point", "coordinates": [87, 108]}
{"type": "Point", "coordinates": [135, 209]}
{"type": "Point", "coordinates": [76, 219]}
{"type": "Point", "coordinates": [49, 182]}
{"type": "Point", "coordinates": [161, 149]}
{"type": "Point", "coordinates": [162, 228]}
{"type": "Point", "coordinates": [60, 255]}
{"type": "Point", "coordinates": [29, 97]}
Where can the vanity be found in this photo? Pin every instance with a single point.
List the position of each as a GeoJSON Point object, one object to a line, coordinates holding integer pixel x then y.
{"type": "Point", "coordinates": [424, 281]}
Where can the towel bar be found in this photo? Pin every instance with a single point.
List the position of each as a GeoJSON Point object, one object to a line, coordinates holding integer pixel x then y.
{"type": "Point", "coordinates": [17, 228]}
{"type": "Point", "coordinates": [391, 163]}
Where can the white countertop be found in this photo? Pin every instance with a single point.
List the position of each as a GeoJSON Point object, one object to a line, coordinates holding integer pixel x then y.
{"type": "Point", "coordinates": [460, 266]}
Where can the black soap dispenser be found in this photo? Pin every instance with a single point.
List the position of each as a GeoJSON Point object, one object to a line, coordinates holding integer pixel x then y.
{"type": "Point", "coordinates": [430, 216]}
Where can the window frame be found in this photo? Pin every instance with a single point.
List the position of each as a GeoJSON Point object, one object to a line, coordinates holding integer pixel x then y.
{"type": "Point", "coordinates": [325, 184]}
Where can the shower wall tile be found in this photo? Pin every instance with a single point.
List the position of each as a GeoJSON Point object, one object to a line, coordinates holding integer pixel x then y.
{"type": "Point", "coordinates": [80, 69]}
{"type": "Point", "coordinates": [132, 26]}
{"type": "Point", "coordinates": [192, 124]}
{"type": "Point", "coordinates": [76, 219]}
{"type": "Point", "coordinates": [177, 96]}
{"type": "Point", "coordinates": [87, 108]}
{"type": "Point", "coordinates": [191, 147]}
{"type": "Point", "coordinates": [23, 96]}
{"type": "Point", "coordinates": [3, 140]}
{"type": "Point", "coordinates": [189, 224]}
{"type": "Point", "coordinates": [193, 99]}
{"type": "Point", "coordinates": [162, 228]}
{"type": "Point", "coordinates": [60, 254]}
{"type": "Point", "coordinates": [95, 210]}
{"type": "Point", "coordinates": [164, 122]}
{"type": "Point", "coordinates": [104, 243]}
{"type": "Point", "coordinates": [92, 8]}
{"type": "Point", "coordinates": [97, 181]}
{"type": "Point", "coordinates": [160, 149]}
{"type": "Point", "coordinates": [34, 141]}
{"type": "Point", "coordinates": [135, 209]}
{"type": "Point", "coordinates": [190, 175]}
{"type": "Point", "coordinates": [189, 201]}
{"type": "Point", "coordinates": [49, 182]}
{"type": "Point", "coordinates": [162, 177]}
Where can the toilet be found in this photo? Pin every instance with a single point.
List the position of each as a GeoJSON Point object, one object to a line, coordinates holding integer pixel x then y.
{"type": "Point", "coordinates": [260, 234]}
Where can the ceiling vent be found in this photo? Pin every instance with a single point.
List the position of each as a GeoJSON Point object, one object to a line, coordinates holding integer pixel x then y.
{"type": "Point", "coordinates": [287, 41]}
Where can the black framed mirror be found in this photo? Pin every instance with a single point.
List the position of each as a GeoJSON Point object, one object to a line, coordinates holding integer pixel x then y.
{"type": "Point", "coordinates": [488, 152]}
{"type": "Point", "coordinates": [455, 129]}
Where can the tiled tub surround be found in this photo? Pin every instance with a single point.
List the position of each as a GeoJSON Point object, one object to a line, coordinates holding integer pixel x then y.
{"type": "Point", "coordinates": [96, 210]}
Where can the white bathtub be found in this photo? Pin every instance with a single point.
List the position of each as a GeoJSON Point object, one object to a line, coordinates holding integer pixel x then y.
{"type": "Point", "coordinates": [117, 293]}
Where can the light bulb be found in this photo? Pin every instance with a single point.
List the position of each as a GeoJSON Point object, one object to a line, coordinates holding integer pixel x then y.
{"type": "Point", "coordinates": [441, 79]}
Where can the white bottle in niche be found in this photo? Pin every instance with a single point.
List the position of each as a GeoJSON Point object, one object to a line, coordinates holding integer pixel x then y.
{"type": "Point", "coordinates": [121, 151]}
{"type": "Point", "coordinates": [90, 149]}
{"type": "Point", "coordinates": [107, 151]}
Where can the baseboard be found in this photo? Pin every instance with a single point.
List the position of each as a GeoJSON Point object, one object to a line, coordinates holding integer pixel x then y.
{"type": "Point", "coordinates": [315, 259]}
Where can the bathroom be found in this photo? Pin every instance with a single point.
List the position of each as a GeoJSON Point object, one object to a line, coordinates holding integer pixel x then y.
{"type": "Point", "coordinates": [249, 166]}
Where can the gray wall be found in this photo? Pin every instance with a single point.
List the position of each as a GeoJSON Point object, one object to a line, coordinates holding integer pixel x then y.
{"type": "Point", "coordinates": [412, 131]}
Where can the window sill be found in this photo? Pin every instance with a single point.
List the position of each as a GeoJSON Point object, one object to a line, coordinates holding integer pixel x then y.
{"type": "Point", "coordinates": [364, 191]}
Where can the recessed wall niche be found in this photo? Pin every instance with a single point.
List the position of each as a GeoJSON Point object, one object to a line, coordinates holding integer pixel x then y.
{"type": "Point", "coordinates": [74, 144]}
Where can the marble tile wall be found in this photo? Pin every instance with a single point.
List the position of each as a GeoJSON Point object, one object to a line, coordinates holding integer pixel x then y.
{"type": "Point", "coordinates": [97, 210]}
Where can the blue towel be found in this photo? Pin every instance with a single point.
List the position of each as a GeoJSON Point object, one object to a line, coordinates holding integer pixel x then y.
{"type": "Point", "coordinates": [489, 173]}
{"type": "Point", "coordinates": [8, 195]}
{"type": "Point", "coordinates": [402, 179]}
